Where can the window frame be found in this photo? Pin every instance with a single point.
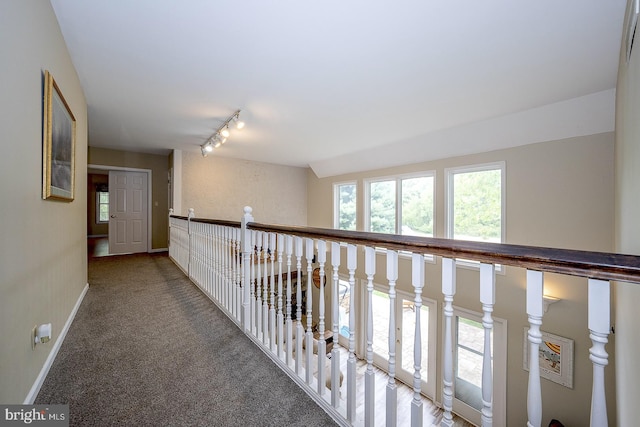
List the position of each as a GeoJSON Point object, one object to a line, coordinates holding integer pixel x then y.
{"type": "Point", "coordinates": [449, 208]}
{"type": "Point", "coordinates": [336, 202]}
{"type": "Point", "coordinates": [98, 220]}
{"type": "Point", "coordinates": [398, 197]}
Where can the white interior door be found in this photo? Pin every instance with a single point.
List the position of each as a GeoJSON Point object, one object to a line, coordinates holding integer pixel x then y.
{"type": "Point", "coordinates": [128, 206]}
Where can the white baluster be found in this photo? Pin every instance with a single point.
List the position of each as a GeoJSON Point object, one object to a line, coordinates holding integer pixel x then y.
{"type": "Point", "coordinates": [272, 301]}
{"type": "Point", "coordinates": [599, 326]}
{"type": "Point", "coordinates": [352, 261]}
{"type": "Point", "coordinates": [369, 378]}
{"type": "Point", "coordinates": [335, 314]}
{"type": "Point", "coordinates": [217, 265]}
{"type": "Point", "coordinates": [299, 328]}
{"type": "Point", "coordinates": [448, 290]}
{"type": "Point", "coordinates": [259, 284]}
{"type": "Point", "coordinates": [309, 295]}
{"type": "Point", "coordinates": [289, 326]}
{"type": "Point", "coordinates": [535, 305]}
{"type": "Point", "coordinates": [487, 299]}
{"type": "Point", "coordinates": [392, 389]}
{"type": "Point", "coordinates": [239, 280]}
{"type": "Point", "coordinates": [417, 279]}
{"type": "Point", "coordinates": [223, 267]}
{"type": "Point", "coordinates": [228, 285]}
{"type": "Point", "coordinates": [253, 283]}
{"type": "Point", "coordinates": [322, 343]}
{"type": "Point", "coordinates": [247, 249]}
{"type": "Point", "coordinates": [265, 289]}
{"type": "Point", "coordinates": [280, 319]}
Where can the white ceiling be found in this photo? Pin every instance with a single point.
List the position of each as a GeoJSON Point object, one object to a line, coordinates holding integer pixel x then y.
{"type": "Point", "coordinates": [322, 83]}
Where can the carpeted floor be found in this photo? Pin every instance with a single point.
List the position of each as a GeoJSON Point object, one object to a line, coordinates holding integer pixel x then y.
{"type": "Point", "coordinates": [148, 348]}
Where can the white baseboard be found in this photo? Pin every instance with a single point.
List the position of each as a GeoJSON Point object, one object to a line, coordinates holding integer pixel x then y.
{"type": "Point", "coordinates": [35, 388]}
{"type": "Point", "coordinates": [159, 250]}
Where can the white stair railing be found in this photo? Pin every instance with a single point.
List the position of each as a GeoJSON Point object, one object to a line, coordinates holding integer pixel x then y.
{"type": "Point", "coordinates": [243, 271]}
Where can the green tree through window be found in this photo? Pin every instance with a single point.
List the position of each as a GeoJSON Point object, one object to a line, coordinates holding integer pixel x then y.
{"type": "Point", "coordinates": [477, 205]}
{"type": "Point", "coordinates": [346, 206]}
{"type": "Point", "coordinates": [402, 205]}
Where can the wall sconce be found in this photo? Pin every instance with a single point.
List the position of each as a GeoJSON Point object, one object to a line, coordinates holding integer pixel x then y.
{"type": "Point", "coordinates": [41, 334]}
{"type": "Point", "coordinates": [221, 134]}
{"type": "Point", "coordinates": [547, 300]}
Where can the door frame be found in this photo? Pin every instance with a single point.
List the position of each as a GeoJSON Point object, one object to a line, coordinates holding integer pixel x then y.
{"type": "Point", "coordinates": [149, 194]}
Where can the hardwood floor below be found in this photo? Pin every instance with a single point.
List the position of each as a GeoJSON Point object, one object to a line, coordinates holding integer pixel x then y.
{"type": "Point", "coordinates": [97, 247]}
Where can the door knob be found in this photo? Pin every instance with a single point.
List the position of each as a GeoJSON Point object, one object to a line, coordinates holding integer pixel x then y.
{"type": "Point", "coordinates": [113, 216]}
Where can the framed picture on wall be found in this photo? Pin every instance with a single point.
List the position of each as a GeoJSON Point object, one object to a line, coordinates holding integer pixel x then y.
{"type": "Point", "coordinates": [58, 145]}
{"type": "Point", "coordinates": [555, 356]}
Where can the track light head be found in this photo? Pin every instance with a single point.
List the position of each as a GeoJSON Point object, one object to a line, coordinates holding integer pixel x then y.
{"type": "Point", "coordinates": [239, 123]}
{"type": "Point", "coordinates": [221, 134]}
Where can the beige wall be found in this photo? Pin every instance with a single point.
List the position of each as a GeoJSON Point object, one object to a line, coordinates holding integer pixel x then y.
{"type": "Point", "coordinates": [628, 230]}
{"type": "Point", "coordinates": [93, 227]}
{"type": "Point", "coordinates": [558, 194]}
{"type": "Point", "coordinates": [43, 250]}
{"type": "Point", "coordinates": [220, 188]}
{"type": "Point", "coordinates": [159, 166]}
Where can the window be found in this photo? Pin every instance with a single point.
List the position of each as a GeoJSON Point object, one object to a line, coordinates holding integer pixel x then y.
{"type": "Point", "coordinates": [344, 217]}
{"type": "Point", "coordinates": [475, 207]}
{"type": "Point", "coordinates": [102, 209]}
{"type": "Point", "coordinates": [468, 354]}
{"type": "Point", "coordinates": [402, 205]}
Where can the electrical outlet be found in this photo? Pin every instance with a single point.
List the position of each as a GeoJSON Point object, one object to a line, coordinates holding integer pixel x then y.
{"type": "Point", "coordinates": [33, 337]}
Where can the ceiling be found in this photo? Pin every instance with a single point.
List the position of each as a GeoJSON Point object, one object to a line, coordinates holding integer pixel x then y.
{"type": "Point", "coordinates": [342, 85]}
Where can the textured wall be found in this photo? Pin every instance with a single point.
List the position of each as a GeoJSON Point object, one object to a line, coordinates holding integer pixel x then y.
{"type": "Point", "coordinates": [220, 188]}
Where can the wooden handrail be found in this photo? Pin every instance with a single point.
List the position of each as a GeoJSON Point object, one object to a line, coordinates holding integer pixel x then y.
{"type": "Point", "coordinates": [593, 265]}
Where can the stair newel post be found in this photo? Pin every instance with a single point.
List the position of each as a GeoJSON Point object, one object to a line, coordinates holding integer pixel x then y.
{"type": "Point", "coordinates": [392, 389]}
{"type": "Point", "coordinates": [265, 289]}
{"type": "Point", "coordinates": [535, 304]}
{"type": "Point", "coordinates": [309, 315]}
{"type": "Point", "coordinates": [417, 278]}
{"type": "Point", "coordinates": [289, 326]}
{"type": "Point", "coordinates": [246, 272]}
{"type": "Point", "coordinates": [352, 261]}
{"type": "Point", "coordinates": [280, 317]}
{"type": "Point", "coordinates": [322, 343]}
{"type": "Point", "coordinates": [488, 300]}
{"type": "Point", "coordinates": [335, 314]}
{"type": "Point", "coordinates": [299, 328]}
{"type": "Point", "coordinates": [599, 326]}
{"type": "Point", "coordinates": [272, 288]}
{"type": "Point", "coordinates": [448, 290]}
{"type": "Point", "coordinates": [369, 378]}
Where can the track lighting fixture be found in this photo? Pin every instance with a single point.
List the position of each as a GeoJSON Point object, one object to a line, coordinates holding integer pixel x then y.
{"type": "Point", "coordinates": [221, 134]}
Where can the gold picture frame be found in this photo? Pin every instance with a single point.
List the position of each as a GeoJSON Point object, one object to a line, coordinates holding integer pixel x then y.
{"type": "Point", "coordinates": [59, 144]}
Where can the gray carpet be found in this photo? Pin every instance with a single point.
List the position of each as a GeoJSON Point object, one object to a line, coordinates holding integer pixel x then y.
{"type": "Point", "coordinates": [148, 348]}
